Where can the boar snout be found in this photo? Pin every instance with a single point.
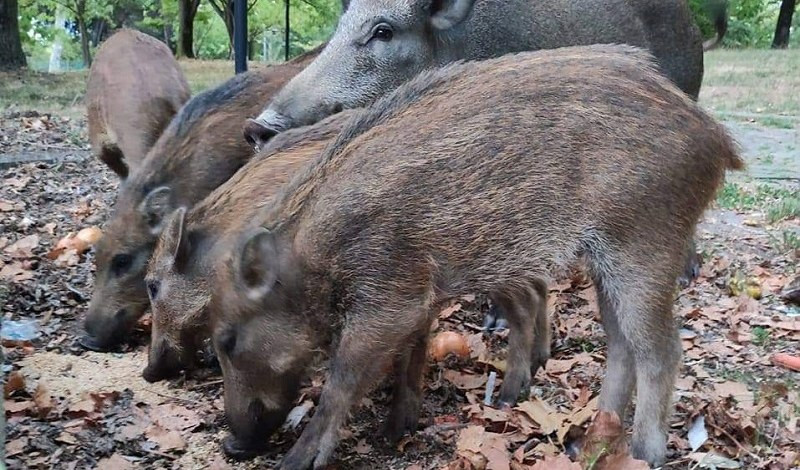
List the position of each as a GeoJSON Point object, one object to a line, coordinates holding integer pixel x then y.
{"type": "Point", "coordinates": [250, 429]}
{"type": "Point", "coordinates": [164, 362]}
{"type": "Point", "coordinates": [103, 332]}
{"type": "Point", "coordinates": [257, 133]}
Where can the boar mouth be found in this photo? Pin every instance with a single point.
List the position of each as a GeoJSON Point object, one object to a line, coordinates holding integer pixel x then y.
{"type": "Point", "coordinates": [92, 343]}
{"type": "Point", "coordinates": [239, 450]}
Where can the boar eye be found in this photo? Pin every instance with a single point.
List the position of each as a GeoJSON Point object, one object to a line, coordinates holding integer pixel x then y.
{"type": "Point", "coordinates": [382, 32]}
{"type": "Point", "coordinates": [121, 263]}
{"type": "Point", "coordinates": [152, 288]}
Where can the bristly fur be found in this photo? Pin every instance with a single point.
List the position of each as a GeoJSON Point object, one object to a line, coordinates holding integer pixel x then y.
{"type": "Point", "coordinates": [482, 177]}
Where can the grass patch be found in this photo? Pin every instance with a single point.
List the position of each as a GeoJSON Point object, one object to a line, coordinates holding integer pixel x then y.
{"type": "Point", "coordinates": [786, 241]}
{"type": "Point", "coordinates": [752, 80]}
{"type": "Point", "coordinates": [778, 203]}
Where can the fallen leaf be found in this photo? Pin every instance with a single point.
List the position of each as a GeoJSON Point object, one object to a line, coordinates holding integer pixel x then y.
{"type": "Point", "coordinates": [16, 446]}
{"type": "Point", "coordinates": [547, 418]}
{"type": "Point", "coordinates": [713, 461]}
{"type": "Point", "coordinates": [449, 311]}
{"type": "Point", "coordinates": [23, 248]}
{"type": "Point", "coordinates": [577, 418]}
{"type": "Point", "coordinates": [219, 463]}
{"type": "Point", "coordinates": [18, 407]}
{"type": "Point", "coordinates": [82, 408]}
{"type": "Point", "coordinates": [738, 391]}
{"type": "Point", "coordinates": [115, 462]}
{"type": "Point", "coordinates": [621, 461]}
{"type": "Point", "coordinates": [559, 462]}
{"type": "Point", "coordinates": [16, 272]}
{"type": "Point", "coordinates": [15, 382]}
{"type": "Point", "coordinates": [166, 440]}
{"type": "Point", "coordinates": [297, 414]}
{"type": "Point", "coordinates": [174, 417]}
{"type": "Point", "coordinates": [603, 437]}
{"type": "Point", "coordinates": [66, 438]}
{"type": "Point", "coordinates": [464, 381]}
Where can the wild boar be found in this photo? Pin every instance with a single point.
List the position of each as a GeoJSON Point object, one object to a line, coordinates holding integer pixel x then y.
{"type": "Point", "coordinates": [487, 177]}
{"type": "Point", "coordinates": [134, 89]}
{"type": "Point", "coordinates": [179, 266]}
{"type": "Point", "coordinates": [200, 149]}
{"type": "Point", "coordinates": [379, 44]}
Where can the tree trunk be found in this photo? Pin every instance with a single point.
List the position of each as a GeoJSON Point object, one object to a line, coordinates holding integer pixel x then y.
{"type": "Point", "coordinates": [187, 9]}
{"type": "Point", "coordinates": [11, 55]}
{"type": "Point", "coordinates": [781, 39]}
{"type": "Point", "coordinates": [87, 54]}
{"type": "Point", "coordinates": [224, 9]}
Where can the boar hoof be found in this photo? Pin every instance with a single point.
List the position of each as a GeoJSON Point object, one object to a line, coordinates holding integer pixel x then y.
{"type": "Point", "coordinates": [403, 418]}
{"type": "Point", "coordinates": [92, 344]}
{"type": "Point", "coordinates": [235, 450]}
{"type": "Point", "coordinates": [494, 320]}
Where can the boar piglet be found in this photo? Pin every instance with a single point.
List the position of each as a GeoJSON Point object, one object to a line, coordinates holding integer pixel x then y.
{"type": "Point", "coordinates": [134, 89]}
{"type": "Point", "coordinates": [479, 177]}
{"type": "Point", "coordinates": [179, 268]}
{"type": "Point", "coordinates": [200, 149]}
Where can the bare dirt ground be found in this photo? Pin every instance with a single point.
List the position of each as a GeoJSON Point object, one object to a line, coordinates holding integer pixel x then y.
{"type": "Point", "coordinates": [735, 407]}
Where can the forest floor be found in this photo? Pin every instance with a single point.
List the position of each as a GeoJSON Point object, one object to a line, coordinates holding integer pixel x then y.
{"type": "Point", "coordinates": [735, 408]}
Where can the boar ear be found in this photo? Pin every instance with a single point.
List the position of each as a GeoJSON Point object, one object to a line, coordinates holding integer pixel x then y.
{"type": "Point", "coordinates": [446, 14]}
{"type": "Point", "coordinates": [257, 268]}
{"type": "Point", "coordinates": [345, 4]}
{"type": "Point", "coordinates": [175, 239]}
{"type": "Point", "coordinates": [155, 207]}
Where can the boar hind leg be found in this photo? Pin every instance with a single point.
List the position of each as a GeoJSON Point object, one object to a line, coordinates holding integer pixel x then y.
{"type": "Point", "coordinates": [358, 363]}
{"type": "Point", "coordinates": [407, 396]}
{"type": "Point", "coordinates": [638, 315]}
{"type": "Point", "coordinates": [528, 340]}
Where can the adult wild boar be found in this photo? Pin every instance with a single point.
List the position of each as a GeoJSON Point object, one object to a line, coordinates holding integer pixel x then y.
{"type": "Point", "coordinates": [486, 176]}
{"type": "Point", "coordinates": [178, 270]}
{"type": "Point", "coordinates": [134, 89]}
{"type": "Point", "coordinates": [200, 149]}
{"type": "Point", "coordinates": [379, 44]}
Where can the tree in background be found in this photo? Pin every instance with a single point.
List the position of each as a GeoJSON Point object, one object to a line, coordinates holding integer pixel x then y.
{"type": "Point", "coordinates": [224, 9]}
{"type": "Point", "coordinates": [781, 39]}
{"type": "Point", "coordinates": [11, 55]}
{"type": "Point", "coordinates": [187, 10]}
{"type": "Point", "coordinates": [83, 12]}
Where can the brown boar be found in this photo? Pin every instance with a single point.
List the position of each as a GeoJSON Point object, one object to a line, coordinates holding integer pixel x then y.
{"type": "Point", "coordinates": [479, 177]}
{"type": "Point", "coordinates": [177, 273]}
{"type": "Point", "coordinates": [134, 89]}
{"type": "Point", "coordinates": [200, 149]}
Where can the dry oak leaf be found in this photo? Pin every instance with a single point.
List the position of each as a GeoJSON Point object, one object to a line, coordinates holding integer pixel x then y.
{"type": "Point", "coordinates": [547, 418]}
{"type": "Point", "coordinates": [604, 446]}
{"type": "Point", "coordinates": [23, 248]}
{"type": "Point", "coordinates": [484, 450]}
{"type": "Point", "coordinates": [166, 440]}
{"type": "Point", "coordinates": [465, 381]}
{"type": "Point", "coordinates": [560, 462]}
{"type": "Point", "coordinates": [115, 462]}
{"type": "Point", "coordinates": [16, 272]}
{"type": "Point", "coordinates": [174, 417]}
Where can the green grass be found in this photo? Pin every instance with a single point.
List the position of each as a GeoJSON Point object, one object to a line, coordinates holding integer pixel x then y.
{"type": "Point", "coordinates": [786, 241]}
{"type": "Point", "coordinates": [760, 336]}
{"type": "Point", "coordinates": [779, 203]}
{"type": "Point", "coordinates": [752, 80]}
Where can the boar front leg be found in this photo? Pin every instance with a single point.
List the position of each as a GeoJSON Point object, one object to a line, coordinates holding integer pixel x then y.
{"type": "Point", "coordinates": [407, 396]}
{"type": "Point", "coordinates": [360, 358]}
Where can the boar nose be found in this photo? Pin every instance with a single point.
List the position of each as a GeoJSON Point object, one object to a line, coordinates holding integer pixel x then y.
{"type": "Point", "coordinates": [95, 337]}
{"type": "Point", "coordinates": [257, 134]}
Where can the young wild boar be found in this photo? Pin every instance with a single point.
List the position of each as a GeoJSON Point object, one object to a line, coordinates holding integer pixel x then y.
{"type": "Point", "coordinates": [178, 270]}
{"type": "Point", "coordinates": [200, 149]}
{"type": "Point", "coordinates": [479, 177]}
{"type": "Point", "coordinates": [135, 87]}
